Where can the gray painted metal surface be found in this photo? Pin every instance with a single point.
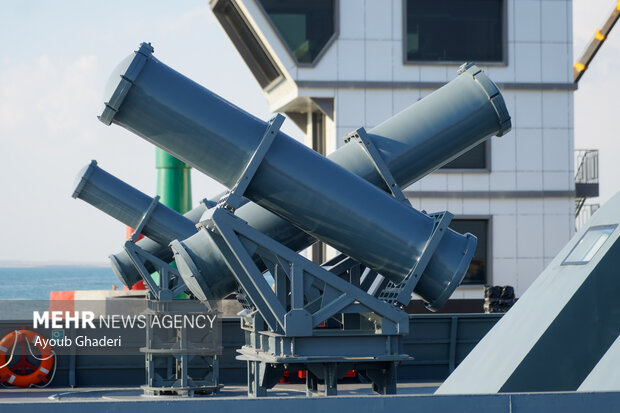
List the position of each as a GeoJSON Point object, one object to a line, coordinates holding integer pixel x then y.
{"type": "Point", "coordinates": [293, 181]}
{"type": "Point", "coordinates": [128, 205]}
{"type": "Point", "coordinates": [168, 283]}
{"type": "Point", "coordinates": [605, 376]}
{"type": "Point", "coordinates": [283, 324]}
{"type": "Point", "coordinates": [237, 241]}
{"type": "Point", "coordinates": [561, 327]}
{"type": "Point", "coordinates": [116, 198]}
{"type": "Point", "coordinates": [438, 341]}
{"type": "Point", "coordinates": [148, 89]}
{"type": "Point", "coordinates": [291, 402]}
{"type": "Point", "coordinates": [121, 262]}
{"type": "Point", "coordinates": [171, 357]}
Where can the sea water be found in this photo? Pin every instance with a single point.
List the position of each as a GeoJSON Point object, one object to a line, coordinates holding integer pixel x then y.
{"type": "Point", "coordinates": [36, 283]}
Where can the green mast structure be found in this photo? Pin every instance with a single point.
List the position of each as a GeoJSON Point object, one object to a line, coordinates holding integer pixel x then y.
{"type": "Point", "coordinates": [174, 187]}
{"type": "Point", "coordinates": [173, 182]}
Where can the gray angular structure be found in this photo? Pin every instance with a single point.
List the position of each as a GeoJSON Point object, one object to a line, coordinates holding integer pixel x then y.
{"type": "Point", "coordinates": [347, 313]}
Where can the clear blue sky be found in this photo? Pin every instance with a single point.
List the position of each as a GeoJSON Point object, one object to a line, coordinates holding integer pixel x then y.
{"type": "Point", "coordinates": [55, 57]}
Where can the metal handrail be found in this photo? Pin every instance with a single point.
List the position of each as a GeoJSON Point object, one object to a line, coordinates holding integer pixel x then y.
{"type": "Point", "coordinates": [587, 169]}
{"type": "Point", "coordinates": [585, 212]}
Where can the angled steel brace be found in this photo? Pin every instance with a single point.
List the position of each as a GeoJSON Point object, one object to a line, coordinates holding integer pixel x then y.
{"type": "Point", "coordinates": [251, 279]}
{"type": "Point", "coordinates": [228, 230]}
{"type": "Point", "coordinates": [362, 138]}
{"type": "Point", "coordinates": [359, 275]}
{"type": "Point", "coordinates": [341, 266]}
{"type": "Point", "coordinates": [335, 260]}
{"type": "Point", "coordinates": [170, 282]}
{"type": "Point", "coordinates": [400, 294]}
{"type": "Point", "coordinates": [144, 219]}
{"type": "Point", "coordinates": [367, 278]}
{"type": "Point", "coordinates": [234, 198]}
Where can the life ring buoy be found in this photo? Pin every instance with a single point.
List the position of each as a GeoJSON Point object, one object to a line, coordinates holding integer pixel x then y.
{"type": "Point", "coordinates": [40, 374]}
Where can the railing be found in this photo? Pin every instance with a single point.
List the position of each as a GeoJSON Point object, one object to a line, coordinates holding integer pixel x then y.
{"type": "Point", "coordinates": [587, 166]}
{"type": "Point", "coordinates": [438, 343]}
{"type": "Point", "coordinates": [586, 211]}
{"type": "Point", "coordinates": [586, 182]}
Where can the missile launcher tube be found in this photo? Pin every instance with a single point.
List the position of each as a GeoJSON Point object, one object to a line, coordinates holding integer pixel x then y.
{"type": "Point", "coordinates": [315, 194]}
{"type": "Point", "coordinates": [126, 204]}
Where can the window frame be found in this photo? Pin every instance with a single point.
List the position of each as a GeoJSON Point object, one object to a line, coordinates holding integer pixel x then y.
{"type": "Point", "coordinates": [504, 40]}
{"type": "Point", "coordinates": [592, 228]}
{"type": "Point", "coordinates": [285, 45]}
{"type": "Point", "coordinates": [487, 162]}
{"type": "Point", "coordinates": [244, 49]}
{"type": "Point", "coordinates": [489, 259]}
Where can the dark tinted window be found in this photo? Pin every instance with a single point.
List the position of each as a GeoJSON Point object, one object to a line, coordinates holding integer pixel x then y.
{"type": "Point", "coordinates": [305, 26]}
{"type": "Point", "coordinates": [475, 158]}
{"type": "Point", "coordinates": [246, 42]}
{"type": "Point", "coordinates": [477, 272]}
{"type": "Point", "coordinates": [454, 30]}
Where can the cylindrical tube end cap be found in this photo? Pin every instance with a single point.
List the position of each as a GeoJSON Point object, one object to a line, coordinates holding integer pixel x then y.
{"type": "Point", "coordinates": [124, 277]}
{"type": "Point", "coordinates": [189, 271]}
{"type": "Point", "coordinates": [446, 269]}
{"type": "Point", "coordinates": [82, 178]}
{"type": "Point", "coordinates": [120, 81]}
{"type": "Point", "coordinates": [492, 92]}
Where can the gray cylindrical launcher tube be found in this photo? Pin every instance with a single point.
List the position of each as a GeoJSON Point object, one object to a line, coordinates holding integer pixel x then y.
{"type": "Point", "coordinates": [123, 202]}
{"type": "Point", "coordinates": [306, 189]}
{"type": "Point", "coordinates": [126, 204]}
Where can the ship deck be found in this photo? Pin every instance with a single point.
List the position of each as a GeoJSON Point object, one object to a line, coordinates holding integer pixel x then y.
{"type": "Point", "coordinates": [292, 398]}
